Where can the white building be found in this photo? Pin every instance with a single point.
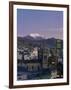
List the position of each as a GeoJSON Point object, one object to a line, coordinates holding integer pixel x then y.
{"type": "Point", "coordinates": [34, 53]}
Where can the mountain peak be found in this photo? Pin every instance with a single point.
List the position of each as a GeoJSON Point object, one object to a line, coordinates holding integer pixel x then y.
{"type": "Point", "coordinates": [34, 35]}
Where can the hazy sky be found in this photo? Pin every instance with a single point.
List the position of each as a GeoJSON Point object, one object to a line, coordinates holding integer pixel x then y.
{"type": "Point", "coordinates": [44, 22]}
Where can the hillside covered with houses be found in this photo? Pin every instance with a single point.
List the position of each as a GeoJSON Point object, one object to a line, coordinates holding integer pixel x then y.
{"type": "Point", "coordinates": [39, 58]}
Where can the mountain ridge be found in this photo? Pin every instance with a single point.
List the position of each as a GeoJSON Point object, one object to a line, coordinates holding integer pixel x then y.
{"type": "Point", "coordinates": [38, 41]}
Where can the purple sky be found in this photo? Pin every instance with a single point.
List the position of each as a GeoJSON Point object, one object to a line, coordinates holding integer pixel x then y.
{"type": "Point", "coordinates": [44, 22]}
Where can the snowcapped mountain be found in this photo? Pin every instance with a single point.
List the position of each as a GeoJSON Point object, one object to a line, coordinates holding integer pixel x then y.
{"type": "Point", "coordinates": [34, 36]}
{"type": "Point", "coordinates": [37, 40]}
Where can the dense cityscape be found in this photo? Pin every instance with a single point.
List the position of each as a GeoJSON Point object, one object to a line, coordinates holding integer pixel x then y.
{"type": "Point", "coordinates": [39, 58]}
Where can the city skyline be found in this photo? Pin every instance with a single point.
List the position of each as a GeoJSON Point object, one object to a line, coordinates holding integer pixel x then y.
{"type": "Point", "coordinates": [43, 22]}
